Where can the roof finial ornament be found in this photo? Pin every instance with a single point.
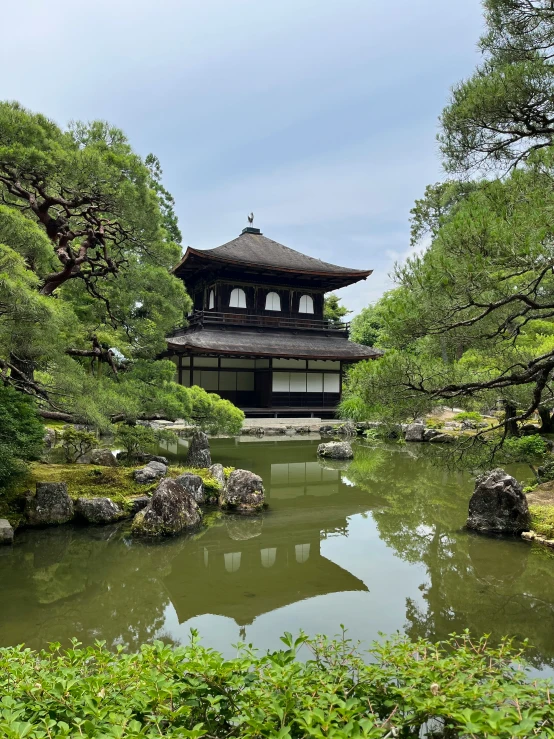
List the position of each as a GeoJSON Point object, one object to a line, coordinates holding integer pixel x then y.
{"type": "Point", "coordinates": [251, 219]}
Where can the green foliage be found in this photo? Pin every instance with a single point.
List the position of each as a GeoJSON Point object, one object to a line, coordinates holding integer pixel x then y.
{"type": "Point", "coordinates": [139, 439]}
{"type": "Point", "coordinates": [546, 471]}
{"type": "Point", "coordinates": [504, 110]}
{"type": "Point", "coordinates": [468, 416]}
{"type": "Point", "coordinates": [365, 328]}
{"type": "Point", "coordinates": [372, 434]}
{"type": "Point", "coordinates": [463, 687]}
{"type": "Point", "coordinates": [85, 340]}
{"type": "Point", "coordinates": [214, 414]}
{"type": "Point", "coordinates": [434, 423]}
{"type": "Point", "coordinates": [76, 444]}
{"type": "Point", "coordinates": [471, 319]}
{"type": "Point", "coordinates": [332, 310]}
{"type": "Point", "coordinates": [21, 435]}
{"type": "Point", "coordinates": [528, 449]}
{"type": "Point", "coordinates": [353, 408]}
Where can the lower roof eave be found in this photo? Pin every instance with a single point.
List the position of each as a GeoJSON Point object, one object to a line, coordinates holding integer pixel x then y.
{"type": "Point", "coordinates": [201, 351]}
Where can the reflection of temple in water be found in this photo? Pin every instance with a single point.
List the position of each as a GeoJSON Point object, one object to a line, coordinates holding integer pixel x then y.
{"type": "Point", "coordinates": [260, 564]}
{"type": "Point", "coordinates": [231, 575]}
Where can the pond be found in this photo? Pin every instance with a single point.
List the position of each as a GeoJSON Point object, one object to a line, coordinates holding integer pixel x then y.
{"type": "Point", "coordinates": [377, 545]}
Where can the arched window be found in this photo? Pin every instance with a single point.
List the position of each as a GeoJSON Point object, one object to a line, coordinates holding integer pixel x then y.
{"type": "Point", "coordinates": [211, 300]}
{"type": "Point", "coordinates": [272, 302]}
{"type": "Point", "coordinates": [306, 304]}
{"type": "Point", "coordinates": [238, 298]}
{"type": "Point", "coordinates": [268, 556]}
{"type": "Point", "coordinates": [302, 552]}
{"type": "Point", "coordinates": [232, 561]}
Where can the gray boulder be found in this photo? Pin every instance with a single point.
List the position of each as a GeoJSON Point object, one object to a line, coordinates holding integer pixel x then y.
{"type": "Point", "coordinates": [49, 438]}
{"type": "Point", "coordinates": [442, 439]}
{"type": "Point", "coordinates": [98, 510]}
{"type": "Point", "coordinates": [430, 434]}
{"type": "Point", "coordinates": [152, 471]}
{"type": "Point", "coordinates": [194, 485]}
{"type": "Point", "coordinates": [50, 505]}
{"type": "Point", "coordinates": [335, 450]}
{"type": "Point", "coordinates": [218, 473]}
{"type": "Point", "coordinates": [243, 493]}
{"type": "Point", "coordinates": [498, 504]}
{"type": "Point", "coordinates": [199, 450]}
{"type": "Point", "coordinates": [100, 457]}
{"type": "Point", "coordinates": [414, 432]}
{"type": "Point", "coordinates": [137, 503]}
{"type": "Point", "coordinates": [170, 511]}
{"type": "Point", "coordinates": [6, 532]}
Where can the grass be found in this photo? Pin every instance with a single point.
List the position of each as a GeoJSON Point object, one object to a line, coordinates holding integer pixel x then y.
{"type": "Point", "coordinates": [542, 520]}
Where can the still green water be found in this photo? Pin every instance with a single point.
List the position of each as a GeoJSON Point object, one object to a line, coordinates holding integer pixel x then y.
{"type": "Point", "coordinates": [377, 545]}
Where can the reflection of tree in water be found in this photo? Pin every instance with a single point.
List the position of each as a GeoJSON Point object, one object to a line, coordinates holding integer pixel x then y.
{"type": "Point", "coordinates": [77, 584]}
{"type": "Point", "coordinates": [489, 585]}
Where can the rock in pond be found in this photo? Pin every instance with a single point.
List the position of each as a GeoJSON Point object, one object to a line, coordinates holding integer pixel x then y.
{"type": "Point", "coordinates": [138, 503]}
{"type": "Point", "coordinates": [6, 532]}
{"type": "Point", "coordinates": [98, 510]}
{"type": "Point", "coordinates": [415, 432]}
{"type": "Point", "coordinates": [199, 450]}
{"type": "Point", "coordinates": [498, 505]}
{"type": "Point", "coordinates": [152, 471]}
{"type": "Point", "coordinates": [170, 511]}
{"type": "Point", "coordinates": [442, 439]}
{"type": "Point", "coordinates": [335, 450]}
{"type": "Point", "coordinates": [51, 505]}
{"type": "Point", "coordinates": [99, 457]}
{"type": "Point", "coordinates": [430, 434]}
{"type": "Point", "coordinates": [192, 484]}
{"type": "Point", "coordinates": [243, 493]}
{"type": "Point", "coordinates": [218, 473]}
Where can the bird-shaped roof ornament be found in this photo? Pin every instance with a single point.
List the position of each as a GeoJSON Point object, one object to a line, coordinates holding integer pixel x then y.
{"type": "Point", "coordinates": [251, 219]}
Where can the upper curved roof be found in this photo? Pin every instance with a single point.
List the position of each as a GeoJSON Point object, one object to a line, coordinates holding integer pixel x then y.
{"type": "Point", "coordinates": [253, 249]}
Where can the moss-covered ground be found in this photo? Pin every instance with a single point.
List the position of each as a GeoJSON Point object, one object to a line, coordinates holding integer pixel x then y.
{"type": "Point", "coordinates": [90, 481]}
{"type": "Point", "coordinates": [542, 520]}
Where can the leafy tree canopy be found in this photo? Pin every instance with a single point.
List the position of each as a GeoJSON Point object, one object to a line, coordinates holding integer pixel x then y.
{"type": "Point", "coordinates": [333, 310]}
{"type": "Point", "coordinates": [471, 321]}
{"type": "Point", "coordinates": [505, 110]}
{"type": "Point", "coordinates": [88, 237]}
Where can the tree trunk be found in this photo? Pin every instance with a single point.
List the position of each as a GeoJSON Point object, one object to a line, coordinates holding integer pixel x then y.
{"type": "Point", "coordinates": [547, 422]}
{"type": "Point", "coordinates": [510, 422]}
{"type": "Point", "coordinates": [58, 416]}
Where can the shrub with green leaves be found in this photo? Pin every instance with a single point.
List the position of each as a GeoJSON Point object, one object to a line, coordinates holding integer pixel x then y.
{"type": "Point", "coordinates": [76, 443]}
{"type": "Point", "coordinates": [139, 439]}
{"type": "Point", "coordinates": [21, 434]}
{"type": "Point", "coordinates": [468, 416]}
{"type": "Point", "coordinates": [457, 688]}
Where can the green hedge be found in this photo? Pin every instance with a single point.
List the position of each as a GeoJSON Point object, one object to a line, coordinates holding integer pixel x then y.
{"type": "Point", "coordinates": [312, 688]}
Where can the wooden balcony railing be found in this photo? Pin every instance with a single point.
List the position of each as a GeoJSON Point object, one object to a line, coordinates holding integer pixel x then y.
{"type": "Point", "coordinates": [205, 318]}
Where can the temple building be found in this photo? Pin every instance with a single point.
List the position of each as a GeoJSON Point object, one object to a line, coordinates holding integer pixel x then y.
{"type": "Point", "coordinates": [257, 335]}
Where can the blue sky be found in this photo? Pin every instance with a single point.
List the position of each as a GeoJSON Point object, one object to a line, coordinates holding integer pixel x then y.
{"type": "Point", "coordinates": [318, 115]}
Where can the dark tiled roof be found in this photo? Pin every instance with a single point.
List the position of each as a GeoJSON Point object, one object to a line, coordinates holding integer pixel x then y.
{"type": "Point", "coordinates": [256, 249]}
{"type": "Point", "coordinates": [271, 344]}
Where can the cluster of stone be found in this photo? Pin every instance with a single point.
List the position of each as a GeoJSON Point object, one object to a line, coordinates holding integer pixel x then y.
{"type": "Point", "coordinates": [172, 508]}
{"type": "Point", "coordinates": [419, 432]}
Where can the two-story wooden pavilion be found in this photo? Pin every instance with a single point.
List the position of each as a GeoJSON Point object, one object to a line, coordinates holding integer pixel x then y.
{"type": "Point", "coordinates": [257, 335]}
